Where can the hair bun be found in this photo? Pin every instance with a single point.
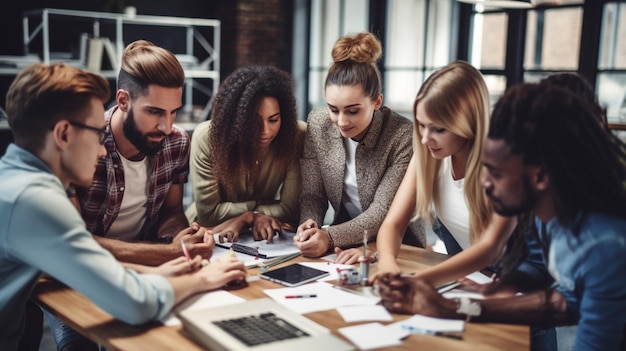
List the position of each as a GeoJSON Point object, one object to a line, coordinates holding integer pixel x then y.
{"type": "Point", "coordinates": [362, 48]}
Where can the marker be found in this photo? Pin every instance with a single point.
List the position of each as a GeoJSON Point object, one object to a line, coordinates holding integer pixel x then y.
{"type": "Point", "coordinates": [417, 330]}
{"type": "Point", "coordinates": [300, 296]}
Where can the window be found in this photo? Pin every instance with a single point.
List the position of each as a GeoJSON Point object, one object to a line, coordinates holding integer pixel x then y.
{"type": "Point", "coordinates": [418, 39]}
{"type": "Point", "coordinates": [611, 84]}
{"type": "Point", "coordinates": [329, 21]}
{"type": "Point", "coordinates": [553, 39]}
{"type": "Point", "coordinates": [488, 50]}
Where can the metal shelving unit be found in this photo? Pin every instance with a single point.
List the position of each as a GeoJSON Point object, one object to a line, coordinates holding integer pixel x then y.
{"type": "Point", "coordinates": [37, 22]}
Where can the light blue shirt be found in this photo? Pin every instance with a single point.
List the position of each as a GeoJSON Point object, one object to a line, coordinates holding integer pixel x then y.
{"type": "Point", "coordinates": [590, 268]}
{"type": "Point", "coordinates": [41, 231]}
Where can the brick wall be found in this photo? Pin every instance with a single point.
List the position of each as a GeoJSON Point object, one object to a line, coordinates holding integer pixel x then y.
{"type": "Point", "coordinates": [255, 32]}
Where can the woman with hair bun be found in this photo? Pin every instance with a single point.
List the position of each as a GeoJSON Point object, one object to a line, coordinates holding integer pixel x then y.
{"type": "Point", "coordinates": [355, 154]}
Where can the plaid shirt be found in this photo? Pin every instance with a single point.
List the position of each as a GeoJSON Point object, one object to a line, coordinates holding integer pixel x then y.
{"type": "Point", "coordinates": [100, 204]}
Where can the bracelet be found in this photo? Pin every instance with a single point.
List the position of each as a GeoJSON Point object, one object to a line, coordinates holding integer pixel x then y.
{"type": "Point", "coordinates": [469, 308]}
{"type": "Point", "coordinates": [330, 239]}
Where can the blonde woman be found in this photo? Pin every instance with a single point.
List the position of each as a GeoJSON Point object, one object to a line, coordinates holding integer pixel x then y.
{"type": "Point", "coordinates": [442, 183]}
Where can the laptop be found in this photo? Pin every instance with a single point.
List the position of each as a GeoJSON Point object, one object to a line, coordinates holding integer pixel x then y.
{"type": "Point", "coordinates": [260, 324]}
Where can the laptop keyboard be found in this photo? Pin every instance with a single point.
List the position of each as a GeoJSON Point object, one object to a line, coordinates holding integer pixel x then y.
{"type": "Point", "coordinates": [260, 329]}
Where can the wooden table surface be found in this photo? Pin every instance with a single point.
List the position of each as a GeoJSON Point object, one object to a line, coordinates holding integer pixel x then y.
{"type": "Point", "coordinates": [81, 314]}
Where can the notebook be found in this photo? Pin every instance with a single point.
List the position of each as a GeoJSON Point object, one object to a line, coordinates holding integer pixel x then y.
{"type": "Point", "coordinates": [282, 244]}
{"type": "Point", "coordinates": [260, 324]}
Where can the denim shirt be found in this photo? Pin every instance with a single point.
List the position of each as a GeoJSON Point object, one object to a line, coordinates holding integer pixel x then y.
{"type": "Point", "coordinates": [589, 267]}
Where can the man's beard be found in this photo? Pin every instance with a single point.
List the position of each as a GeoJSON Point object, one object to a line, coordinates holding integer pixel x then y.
{"type": "Point", "coordinates": [526, 205]}
{"type": "Point", "coordinates": [140, 141]}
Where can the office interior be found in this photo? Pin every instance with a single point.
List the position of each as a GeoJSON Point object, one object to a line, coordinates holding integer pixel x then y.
{"type": "Point", "coordinates": [418, 36]}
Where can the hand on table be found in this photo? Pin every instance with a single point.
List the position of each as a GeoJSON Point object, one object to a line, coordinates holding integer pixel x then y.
{"type": "Point", "coordinates": [385, 266]}
{"type": "Point", "coordinates": [177, 266]}
{"type": "Point", "coordinates": [413, 296]}
{"type": "Point", "coordinates": [222, 271]}
{"type": "Point", "coordinates": [265, 227]}
{"type": "Point", "coordinates": [352, 256]}
{"type": "Point", "coordinates": [230, 229]}
{"type": "Point", "coordinates": [312, 241]}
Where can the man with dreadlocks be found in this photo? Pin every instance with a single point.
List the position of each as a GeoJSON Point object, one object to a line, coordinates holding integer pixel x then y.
{"type": "Point", "coordinates": [546, 153]}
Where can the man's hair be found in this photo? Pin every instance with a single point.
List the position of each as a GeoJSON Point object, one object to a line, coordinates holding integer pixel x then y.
{"type": "Point", "coordinates": [145, 64]}
{"type": "Point", "coordinates": [581, 87]}
{"type": "Point", "coordinates": [556, 129]}
{"type": "Point", "coordinates": [236, 126]}
{"type": "Point", "coordinates": [43, 94]}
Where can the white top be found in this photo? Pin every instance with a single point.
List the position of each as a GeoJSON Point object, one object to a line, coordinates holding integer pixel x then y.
{"type": "Point", "coordinates": [132, 213]}
{"type": "Point", "coordinates": [452, 209]}
{"type": "Point", "coordinates": [350, 198]}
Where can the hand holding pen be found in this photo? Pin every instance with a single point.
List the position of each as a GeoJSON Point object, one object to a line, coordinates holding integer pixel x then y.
{"type": "Point", "coordinates": [196, 241]}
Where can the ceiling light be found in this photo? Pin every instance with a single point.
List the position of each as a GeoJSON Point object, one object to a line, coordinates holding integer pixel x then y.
{"type": "Point", "coordinates": [504, 4]}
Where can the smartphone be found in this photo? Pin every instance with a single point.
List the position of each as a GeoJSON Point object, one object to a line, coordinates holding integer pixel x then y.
{"type": "Point", "coordinates": [294, 274]}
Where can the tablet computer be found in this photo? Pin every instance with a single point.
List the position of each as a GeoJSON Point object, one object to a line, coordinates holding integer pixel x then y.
{"type": "Point", "coordinates": [294, 274]}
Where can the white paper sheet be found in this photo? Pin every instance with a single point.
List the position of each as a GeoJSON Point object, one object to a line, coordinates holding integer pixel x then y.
{"type": "Point", "coordinates": [327, 298]}
{"type": "Point", "coordinates": [364, 313]}
{"type": "Point", "coordinates": [428, 323]}
{"type": "Point", "coordinates": [370, 336]}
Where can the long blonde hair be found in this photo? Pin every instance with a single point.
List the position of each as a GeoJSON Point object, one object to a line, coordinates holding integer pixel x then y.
{"type": "Point", "coordinates": [456, 98]}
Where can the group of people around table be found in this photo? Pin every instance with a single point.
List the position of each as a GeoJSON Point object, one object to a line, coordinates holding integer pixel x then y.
{"type": "Point", "coordinates": [534, 189]}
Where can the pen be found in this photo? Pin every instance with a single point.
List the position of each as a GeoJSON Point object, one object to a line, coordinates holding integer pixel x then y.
{"type": "Point", "coordinates": [182, 243]}
{"type": "Point", "coordinates": [447, 286]}
{"type": "Point", "coordinates": [364, 265]}
{"type": "Point", "coordinates": [300, 296]}
{"type": "Point", "coordinates": [417, 330]}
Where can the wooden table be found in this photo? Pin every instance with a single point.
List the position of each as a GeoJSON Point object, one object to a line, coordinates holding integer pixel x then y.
{"type": "Point", "coordinates": [81, 314]}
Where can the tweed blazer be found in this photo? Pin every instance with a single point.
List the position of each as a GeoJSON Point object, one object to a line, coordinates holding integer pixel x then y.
{"type": "Point", "coordinates": [382, 158]}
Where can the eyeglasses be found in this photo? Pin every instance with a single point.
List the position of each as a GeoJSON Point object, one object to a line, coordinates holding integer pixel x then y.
{"type": "Point", "coordinates": [102, 132]}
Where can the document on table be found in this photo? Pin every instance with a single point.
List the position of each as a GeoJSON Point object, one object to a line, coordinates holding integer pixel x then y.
{"type": "Point", "coordinates": [200, 301]}
{"type": "Point", "coordinates": [282, 244]}
{"type": "Point", "coordinates": [477, 277]}
{"type": "Point", "coordinates": [429, 323]}
{"type": "Point", "coordinates": [364, 313]}
{"type": "Point", "coordinates": [320, 296]}
{"type": "Point", "coordinates": [371, 336]}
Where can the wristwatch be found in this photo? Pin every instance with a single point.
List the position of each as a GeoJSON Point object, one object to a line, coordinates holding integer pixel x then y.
{"type": "Point", "coordinates": [468, 307]}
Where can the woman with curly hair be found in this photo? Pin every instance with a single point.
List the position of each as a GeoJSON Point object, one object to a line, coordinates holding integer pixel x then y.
{"type": "Point", "coordinates": [356, 153]}
{"type": "Point", "coordinates": [245, 160]}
